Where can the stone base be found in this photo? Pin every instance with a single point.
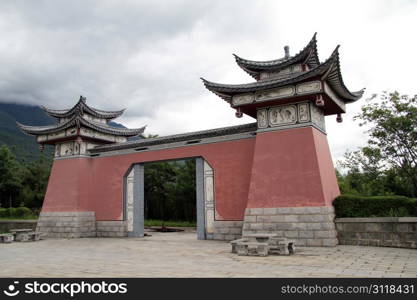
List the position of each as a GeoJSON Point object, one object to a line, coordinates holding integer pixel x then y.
{"type": "Point", "coordinates": [226, 231]}
{"type": "Point", "coordinates": [67, 224]}
{"type": "Point", "coordinates": [111, 228]}
{"type": "Point", "coordinates": [307, 226]}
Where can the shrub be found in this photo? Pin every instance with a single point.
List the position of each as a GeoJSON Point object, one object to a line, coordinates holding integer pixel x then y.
{"type": "Point", "coordinates": [22, 212]}
{"type": "Point", "coordinates": [16, 212]}
{"type": "Point", "coordinates": [3, 212]}
{"type": "Point", "coordinates": [350, 206]}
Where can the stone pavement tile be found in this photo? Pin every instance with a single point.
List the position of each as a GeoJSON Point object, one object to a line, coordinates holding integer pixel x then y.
{"type": "Point", "coordinates": [181, 255]}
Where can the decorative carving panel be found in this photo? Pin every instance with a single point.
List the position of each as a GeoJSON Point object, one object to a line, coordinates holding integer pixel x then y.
{"type": "Point", "coordinates": [209, 198]}
{"type": "Point", "coordinates": [41, 138]}
{"type": "Point", "coordinates": [290, 115]}
{"type": "Point", "coordinates": [303, 112]}
{"type": "Point", "coordinates": [71, 131]}
{"type": "Point", "coordinates": [262, 118]}
{"type": "Point", "coordinates": [275, 93]}
{"type": "Point", "coordinates": [308, 87]}
{"type": "Point", "coordinates": [57, 135]}
{"type": "Point", "coordinates": [67, 149]}
{"type": "Point", "coordinates": [282, 115]}
{"type": "Point", "coordinates": [129, 201]}
{"type": "Point", "coordinates": [243, 99]}
{"type": "Point", "coordinates": [317, 117]}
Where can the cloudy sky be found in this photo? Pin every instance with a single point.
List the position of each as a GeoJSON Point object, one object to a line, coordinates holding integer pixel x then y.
{"type": "Point", "coordinates": [148, 56]}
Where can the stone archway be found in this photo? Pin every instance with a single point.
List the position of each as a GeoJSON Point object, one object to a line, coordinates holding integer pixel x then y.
{"type": "Point", "coordinates": [134, 200]}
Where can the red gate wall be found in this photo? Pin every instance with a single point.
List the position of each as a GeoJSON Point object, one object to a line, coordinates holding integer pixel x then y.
{"type": "Point", "coordinates": [284, 168]}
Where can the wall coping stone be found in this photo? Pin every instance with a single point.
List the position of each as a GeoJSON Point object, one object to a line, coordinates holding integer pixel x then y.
{"type": "Point", "coordinates": [67, 214]}
{"type": "Point", "coordinates": [18, 221]}
{"type": "Point", "coordinates": [378, 220]}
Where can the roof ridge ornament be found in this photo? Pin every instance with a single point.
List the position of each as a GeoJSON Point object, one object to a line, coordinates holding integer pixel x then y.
{"type": "Point", "coordinates": [287, 51]}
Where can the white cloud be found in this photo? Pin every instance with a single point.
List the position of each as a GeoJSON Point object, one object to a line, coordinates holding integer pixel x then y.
{"type": "Point", "coordinates": [148, 56]}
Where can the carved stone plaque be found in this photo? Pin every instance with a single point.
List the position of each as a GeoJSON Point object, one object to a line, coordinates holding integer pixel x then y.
{"type": "Point", "coordinates": [243, 99]}
{"type": "Point", "coordinates": [282, 115]}
{"type": "Point", "coordinates": [67, 149]}
{"type": "Point", "coordinates": [317, 117]}
{"type": "Point", "coordinates": [262, 118]}
{"type": "Point", "coordinates": [309, 87]}
{"type": "Point", "coordinates": [276, 93]}
{"type": "Point", "coordinates": [129, 200]}
{"type": "Point", "coordinates": [303, 112]}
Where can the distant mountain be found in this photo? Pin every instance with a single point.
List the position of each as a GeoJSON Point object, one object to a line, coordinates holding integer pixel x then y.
{"type": "Point", "coordinates": [25, 146]}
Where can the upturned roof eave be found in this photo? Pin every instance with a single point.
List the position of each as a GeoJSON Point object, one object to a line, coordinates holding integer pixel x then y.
{"type": "Point", "coordinates": [78, 121]}
{"type": "Point", "coordinates": [329, 70]}
{"type": "Point", "coordinates": [307, 55]}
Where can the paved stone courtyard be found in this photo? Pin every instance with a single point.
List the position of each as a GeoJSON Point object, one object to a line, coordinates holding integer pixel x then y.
{"type": "Point", "coordinates": [182, 255]}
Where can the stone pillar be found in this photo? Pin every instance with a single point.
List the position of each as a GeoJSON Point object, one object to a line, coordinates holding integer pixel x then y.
{"type": "Point", "coordinates": [209, 200]}
{"type": "Point", "coordinates": [129, 200]}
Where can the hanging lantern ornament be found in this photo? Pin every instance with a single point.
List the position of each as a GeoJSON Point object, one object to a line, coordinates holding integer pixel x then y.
{"type": "Point", "coordinates": [339, 118]}
{"type": "Point", "coordinates": [319, 100]}
{"type": "Point", "coordinates": [238, 113]}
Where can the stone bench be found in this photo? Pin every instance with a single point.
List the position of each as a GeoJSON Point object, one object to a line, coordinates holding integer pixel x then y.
{"type": "Point", "coordinates": [252, 249]}
{"type": "Point", "coordinates": [6, 238]}
{"type": "Point", "coordinates": [235, 242]}
{"type": "Point", "coordinates": [262, 245]}
{"type": "Point", "coordinates": [35, 236]}
{"type": "Point", "coordinates": [25, 235]}
{"type": "Point", "coordinates": [281, 246]}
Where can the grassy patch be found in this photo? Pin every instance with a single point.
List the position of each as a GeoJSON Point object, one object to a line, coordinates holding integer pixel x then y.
{"type": "Point", "coordinates": [169, 223]}
{"type": "Point", "coordinates": [20, 218]}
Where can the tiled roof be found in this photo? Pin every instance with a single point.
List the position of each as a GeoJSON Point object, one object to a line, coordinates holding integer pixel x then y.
{"type": "Point", "coordinates": [218, 132]}
{"type": "Point", "coordinates": [308, 55]}
{"type": "Point", "coordinates": [329, 70]}
{"type": "Point", "coordinates": [78, 121]}
{"type": "Point", "coordinates": [83, 107]}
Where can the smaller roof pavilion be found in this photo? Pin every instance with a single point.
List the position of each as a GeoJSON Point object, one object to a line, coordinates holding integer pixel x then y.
{"type": "Point", "coordinates": [81, 121]}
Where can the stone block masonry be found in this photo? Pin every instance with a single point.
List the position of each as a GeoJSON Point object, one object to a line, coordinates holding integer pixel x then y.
{"type": "Point", "coordinates": [67, 224]}
{"type": "Point", "coordinates": [111, 228]}
{"type": "Point", "coordinates": [307, 226]}
{"type": "Point", "coordinates": [385, 232]}
{"type": "Point", "coordinates": [226, 231]}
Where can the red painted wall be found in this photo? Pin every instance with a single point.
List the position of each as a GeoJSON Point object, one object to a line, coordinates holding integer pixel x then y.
{"type": "Point", "coordinates": [292, 168]}
{"type": "Point", "coordinates": [96, 184]}
{"type": "Point", "coordinates": [276, 169]}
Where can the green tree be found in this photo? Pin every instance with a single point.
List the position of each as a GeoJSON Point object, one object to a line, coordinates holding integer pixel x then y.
{"type": "Point", "coordinates": [170, 191]}
{"type": "Point", "coordinates": [10, 181]}
{"type": "Point", "coordinates": [158, 178]}
{"type": "Point", "coordinates": [34, 182]}
{"type": "Point", "coordinates": [387, 164]}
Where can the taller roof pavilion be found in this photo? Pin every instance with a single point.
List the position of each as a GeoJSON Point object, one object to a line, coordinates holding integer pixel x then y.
{"type": "Point", "coordinates": [289, 79]}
